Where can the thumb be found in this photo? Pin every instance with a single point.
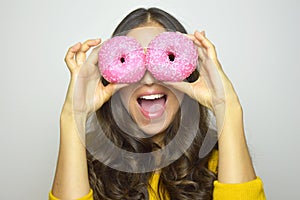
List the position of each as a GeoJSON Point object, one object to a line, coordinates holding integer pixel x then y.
{"type": "Point", "coordinates": [104, 93]}
{"type": "Point", "coordinates": [184, 87]}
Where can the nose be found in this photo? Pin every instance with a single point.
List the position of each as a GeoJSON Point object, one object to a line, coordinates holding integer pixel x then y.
{"type": "Point", "coordinates": [148, 79]}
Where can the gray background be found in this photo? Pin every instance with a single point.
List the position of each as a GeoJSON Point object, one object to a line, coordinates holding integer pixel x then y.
{"type": "Point", "coordinates": [257, 43]}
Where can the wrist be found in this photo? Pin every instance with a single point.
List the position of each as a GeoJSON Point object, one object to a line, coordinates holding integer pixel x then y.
{"type": "Point", "coordinates": [228, 114]}
{"type": "Point", "coordinates": [68, 114]}
{"type": "Point", "coordinates": [230, 101]}
{"type": "Point", "coordinates": [72, 125]}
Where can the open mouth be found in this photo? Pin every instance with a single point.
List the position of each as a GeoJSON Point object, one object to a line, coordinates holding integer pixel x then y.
{"type": "Point", "coordinates": [153, 105]}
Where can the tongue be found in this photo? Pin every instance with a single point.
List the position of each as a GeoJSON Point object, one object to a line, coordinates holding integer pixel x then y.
{"type": "Point", "coordinates": [153, 106]}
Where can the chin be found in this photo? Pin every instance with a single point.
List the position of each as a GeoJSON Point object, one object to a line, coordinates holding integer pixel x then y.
{"type": "Point", "coordinates": [154, 126]}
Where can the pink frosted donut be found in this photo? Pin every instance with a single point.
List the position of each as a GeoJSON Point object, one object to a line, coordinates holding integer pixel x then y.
{"type": "Point", "coordinates": [121, 60]}
{"type": "Point", "coordinates": [171, 56]}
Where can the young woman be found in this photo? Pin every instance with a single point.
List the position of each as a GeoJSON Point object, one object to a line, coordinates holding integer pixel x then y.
{"type": "Point", "coordinates": [88, 168]}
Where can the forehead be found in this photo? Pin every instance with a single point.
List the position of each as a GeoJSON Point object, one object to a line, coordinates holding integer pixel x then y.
{"type": "Point", "coordinates": [145, 34]}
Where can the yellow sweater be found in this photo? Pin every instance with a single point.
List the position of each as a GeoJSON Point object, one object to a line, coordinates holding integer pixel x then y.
{"type": "Point", "coordinates": [252, 190]}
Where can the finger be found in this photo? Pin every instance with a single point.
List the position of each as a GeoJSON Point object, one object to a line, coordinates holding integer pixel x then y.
{"type": "Point", "coordinates": [203, 33]}
{"type": "Point", "coordinates": [93, 57]}
{"type": "Point", "coordinates": [201, 53]}
{"type": "Point", "coordinates": [200, 36]}
{"type": "Point", "coordinates": [184, 87]}
{"type": "Point", "coordinates": [81, 55]}
{"type": "Point", "coordinates": [104, 93]}
{"type": "Point", "coordinates": [69, 58]}
{"type": "Point", "coordinates": [197, 90]}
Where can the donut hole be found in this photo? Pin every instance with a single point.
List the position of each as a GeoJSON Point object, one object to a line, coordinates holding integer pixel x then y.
{"type": "Point", "coordinates": [122, 59]}
{"type": "Point", "coordinates": [171, 56]}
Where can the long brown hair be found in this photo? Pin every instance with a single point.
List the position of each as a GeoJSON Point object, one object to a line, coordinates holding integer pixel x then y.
{"type": "Point", "coordinates": [186, 178]}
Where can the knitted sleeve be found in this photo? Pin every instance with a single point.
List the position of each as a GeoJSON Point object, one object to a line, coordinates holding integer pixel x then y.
{"type": "Point", "coordinates": [89, 196]}
{"type": "Point", "coordinates": [252, 190]}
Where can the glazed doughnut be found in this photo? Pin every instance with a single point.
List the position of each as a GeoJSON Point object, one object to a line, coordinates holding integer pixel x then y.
{"type": "Point", "coordinates": [121, 60]}
{"type": "Point", "coordinates": [171, 56]}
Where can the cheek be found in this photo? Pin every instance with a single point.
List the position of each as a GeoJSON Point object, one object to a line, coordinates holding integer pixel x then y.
{"type": "Point", "coordinates": [125, 96]}
{"type": "Point", "coordinates": [175, 99]}
{"type": "Point", "coordinates": [128, 100]}
{"type": "Point", "coordinates": [174, 103]}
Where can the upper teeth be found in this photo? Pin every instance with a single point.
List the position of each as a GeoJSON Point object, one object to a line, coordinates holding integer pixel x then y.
{"type": "Point", "coordinates": [152, 96]}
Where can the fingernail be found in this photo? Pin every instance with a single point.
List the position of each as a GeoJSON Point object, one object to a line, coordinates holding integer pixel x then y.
{"type": "Point", "coordinates": [76, 45]}
{"type": "Point", "coordinates": [202, 33]}
{"type": "Point", "coordinates": [96, 40]}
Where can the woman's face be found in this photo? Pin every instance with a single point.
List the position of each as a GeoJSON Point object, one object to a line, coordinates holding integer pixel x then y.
{"type": "Point", "coordinates": [151, 104]}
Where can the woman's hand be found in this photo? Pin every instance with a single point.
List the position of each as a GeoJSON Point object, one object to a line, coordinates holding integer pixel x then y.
{"type": "Point", "coordinates": [86, 93]}
{"type": "Point", "coordinates": [212, 89]}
